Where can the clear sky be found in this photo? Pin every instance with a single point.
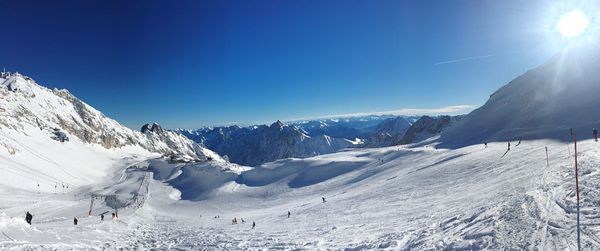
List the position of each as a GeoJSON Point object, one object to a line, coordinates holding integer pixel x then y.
{"type": "Point", "coordinates": [194, 63]}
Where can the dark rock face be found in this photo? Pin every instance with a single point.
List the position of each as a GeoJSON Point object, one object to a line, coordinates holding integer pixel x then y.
{"type": "Point", "coordinates": [154, 127]}
{"type": "Point", "coordinates": [427, 127]}
{"type": "Point", "coordinates": [59, 135]}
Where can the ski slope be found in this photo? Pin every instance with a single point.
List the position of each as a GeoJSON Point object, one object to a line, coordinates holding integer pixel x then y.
{"type": "Point", "coordinates": [395, 198]}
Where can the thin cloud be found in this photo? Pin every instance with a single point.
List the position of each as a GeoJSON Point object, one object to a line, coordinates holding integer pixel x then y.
{"type": "Point", "coordinates": [448, 110]}
{"type": "Point", "coordinates": [464, 59]}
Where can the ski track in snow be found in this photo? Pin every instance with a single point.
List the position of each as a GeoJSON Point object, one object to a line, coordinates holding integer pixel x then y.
{"type": "Point", "coordinates": [401, 199]}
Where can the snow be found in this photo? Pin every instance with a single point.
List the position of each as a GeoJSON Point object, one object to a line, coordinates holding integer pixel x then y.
{"type": "Point", "coordinates": [543, 103]}
{"type": "Point", "coordinates": [30, 159]}
{"type": "Point", "coordinates": [412, 197]}
{"type": "Point", "coordinates": [390, 198]}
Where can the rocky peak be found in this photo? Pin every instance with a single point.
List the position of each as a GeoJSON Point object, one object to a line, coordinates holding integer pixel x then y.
{"type": "Point", "coordinates": [17, 83]}
{"type": "Point", "coordinates": [278, 125]}
{"type": "Point", "coordinates": [154, 127]}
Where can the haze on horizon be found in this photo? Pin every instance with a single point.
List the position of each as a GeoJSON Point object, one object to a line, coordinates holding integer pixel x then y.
{"type": "Point", "coordinates": [193, 63]}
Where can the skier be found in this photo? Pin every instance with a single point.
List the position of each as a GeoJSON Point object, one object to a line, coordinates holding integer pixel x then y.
{"type": "Point", "coordinates": [323, 199]}
{"type": "Point", "coordinates": [508, 146]}
{"type": "Point", "coordinates": [28, 217]}
{"type": "Point", "coordinates": [595, 132]}
{"type": "Point", "coordinates": [75, 220]}
{"type": "Point", "coordinates": [253, 225]}
{"type": "Point", "coordinates": [519, 142]}
{"type": "Point", "coordinates": [102, 217]}
{"type": "Point", "coordinates": [113, 215]}
{"type": "Point", "coordinates": [485, 144]}
{"type": "Point", "coordinates": [289, 214]}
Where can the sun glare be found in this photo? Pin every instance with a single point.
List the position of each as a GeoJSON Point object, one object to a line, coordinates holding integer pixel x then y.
{"type": "Point", "coordinates": [572, 23]}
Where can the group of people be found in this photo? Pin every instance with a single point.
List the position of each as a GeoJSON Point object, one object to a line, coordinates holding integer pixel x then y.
{"type": "Point", "coordinates": [594, 134]}
{"type": "Point", "coordinates": [235, 221]}
{"type": "Point", "coordinates": [29, 217]}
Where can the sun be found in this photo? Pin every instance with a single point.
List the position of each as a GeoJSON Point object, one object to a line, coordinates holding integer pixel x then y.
{"type": "Point", "coordinates": [572, 23]}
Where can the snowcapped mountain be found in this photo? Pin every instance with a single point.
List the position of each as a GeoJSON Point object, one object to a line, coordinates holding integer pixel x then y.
{"type": "Point", "coordinates": [349, 127]}
{"type": "Point", "coordinates": [427, 127]}
{"type": "Point", "coordinates": [389, 132]}
{"type": "Point", "coordinates": [176, 145]}
{"type": "Point", "coordinates": [543, 103]}
{"type": "Point", "coordinates": [49, 130]}
{"type": "Point", "coordinates": [331, 129]}
{"type": "Point", "coordinates": [259, 144]}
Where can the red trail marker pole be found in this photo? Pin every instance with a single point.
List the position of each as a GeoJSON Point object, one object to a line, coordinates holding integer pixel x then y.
{"type": "Point", "coordinates": [577, 188]}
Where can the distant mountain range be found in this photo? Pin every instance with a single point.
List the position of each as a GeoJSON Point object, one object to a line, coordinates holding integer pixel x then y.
{"type": "Point", "coordinates": [256, 145]}
{"type": "Point", "coordinates": [259, 144]}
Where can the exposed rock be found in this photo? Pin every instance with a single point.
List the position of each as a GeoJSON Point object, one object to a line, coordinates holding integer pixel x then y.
{"type": "Point", "coordinates": [154, 127]}
{"type": "Point", "coordinates": [427, 127]}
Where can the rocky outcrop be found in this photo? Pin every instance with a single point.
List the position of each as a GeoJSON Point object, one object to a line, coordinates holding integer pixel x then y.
{"type": "Point", "coordinates": [154, 127]}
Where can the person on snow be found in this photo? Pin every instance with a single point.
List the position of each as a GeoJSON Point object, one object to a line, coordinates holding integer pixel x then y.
{"type": "Point", "coordinates": [595, 133]}
{"type": "Point", "coordinates": [75, 221]}
{"type": "Point", "coordinates": [323, 199]}
{"type": "Point", "coordinates": [485, 144]}
{"type": "Point", "coordinates": [508, 146]}
{"type": "Point", "coordinates": [243, 221]}
{"type": "Point", "coordinates": [253, 225]}
{"type": "Point", "coordinates": [102, 217]}
{"type": "Point", "coordinates": [113, 215]}
{"type": "Point", "coordinates": [28, 217]}
{"type": "Point", "coordinates": [289, 214]}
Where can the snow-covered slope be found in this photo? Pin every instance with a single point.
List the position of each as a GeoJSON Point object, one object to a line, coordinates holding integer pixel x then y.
{"type": "Point", "coordinates": [543, 103]}
{"type": "Point", "coordinates": [260, 144]}
{"type": "Point", "coordinates": [395, 198]}
{"type": "Point", "coordinates": [51, 137]}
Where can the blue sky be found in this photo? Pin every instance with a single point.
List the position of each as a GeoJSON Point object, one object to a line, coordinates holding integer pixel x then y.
{"type": "Point", "coordinates": [194, 63]}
